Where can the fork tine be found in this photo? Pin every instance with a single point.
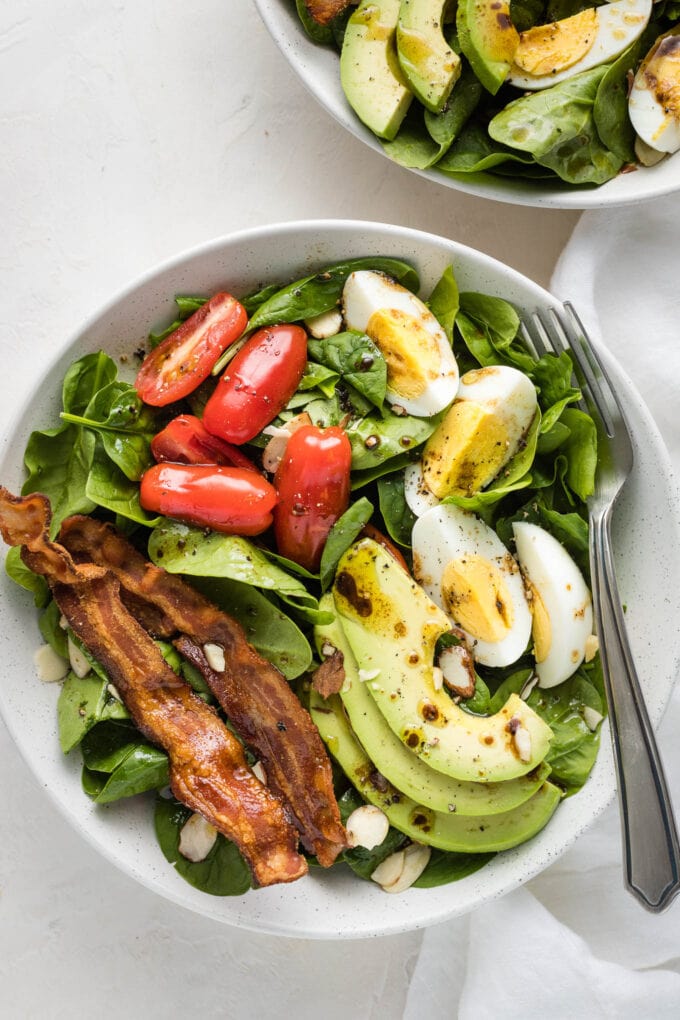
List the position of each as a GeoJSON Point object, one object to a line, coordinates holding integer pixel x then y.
{"type": "Point", "coordinates": [537, 341]}
{"type": "Point", "coordinates": [590, 365]}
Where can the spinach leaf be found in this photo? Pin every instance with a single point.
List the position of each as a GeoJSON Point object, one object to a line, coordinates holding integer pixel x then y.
{"type": "Point", "coordinates": [341, 536]}
{"type": "Point", "coordinates": [473, 151]}
{"type": "Point", "coordinates": [52, 631]}
{"type": "Point", "coordinates": [181, 549]}
{"type": "Point", "coordinates": [109, 487]}
{"type": "Point", "coordinates": [222, 873]}
{"type": "Point", "coordinates": [84, 378]}
{"type": "Point", "coordinates": [120, 763]}
{"type": "Point", "coordinates": [377, 439]}
{"type": "Point", "coordinates": [446, 866]}
{"type": "Point", "coordinates": [557, 127]}
{"type": "Point", "coordinates": [399, 518]}
{"type": "Point", "coordinates": [611, 100]}
{"type": "Point", "coordinates": [317, 377]}
{"type": "Point", "coordinates": [445, 127]}
{"type": "Point", "coordinates": [413, 146]}
{"type": "Point", "coordinates": [272, 633]}
{"type": "Point", "coordinates": [58, 463]}
{"type": "Point", "coordinates": [16, 569]}
{"type": "Point", "coordinates": [320, 292]}
{"type": "Point", "coordinates": [357, 360]}
{"type": "Point", "coordinates": [124, 424]}
{"type": "Point", "coordinates": [580, 449]}
{"type": "Point", "coordinates": [387, 467]}
{"type": "Point", "coordinates": [444, 301]}
{"type": "Point", "coordinates": [84, 702]}
{"type": "Point", "coordinates": [186, 306]}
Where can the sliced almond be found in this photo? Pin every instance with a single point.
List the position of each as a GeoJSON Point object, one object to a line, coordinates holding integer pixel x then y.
{"type": "Point", "coordinates": [389, 870]}
{"type": "Point", "coordinates": [197, 838]}
{"type": "Point", "coordinates": [416, 858]}
{"type": "Point", "coordinates": [367, 826]}
{"type": "Point", "coordinates": [79, 664]}
{"type": "Point", "coordinates": [327, 324]}
{"type": "Point", "coordinates": [215, 656]}
{"type": "Point", "coordinates": [592, 718]}
{"type": "Point", "coordinates": [50, 667]}
{"type": "Point", "coordinates": [259, 771]}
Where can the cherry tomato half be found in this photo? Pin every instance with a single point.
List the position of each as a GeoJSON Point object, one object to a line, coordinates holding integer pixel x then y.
{"type": "Point", "coordinates": [257, 384]}
{"type": "Point", "coordinates": [184, 359]}
{"type": "Point", "coordinates": [313, 484]}
{"type": "Point", "coordinates": [185, 441]}
{"type": "Point", "coordinates": [227, 499]}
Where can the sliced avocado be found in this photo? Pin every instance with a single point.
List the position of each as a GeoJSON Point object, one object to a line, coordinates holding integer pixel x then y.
{"type": "Point", "coordinates": [371, 77]}
{"type": "Point", "coordinates": [401, 767]}
{"type": "Point", "coordinates": [430, 65]}
{"type": "Point", "coordinates": [392, 627]}
{"type": "Point", "coordinates": [478, 834]}
{"type": "Point", "coordinates": [488, 39]}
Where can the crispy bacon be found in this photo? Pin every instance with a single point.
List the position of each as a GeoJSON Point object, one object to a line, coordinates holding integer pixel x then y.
{"type": "Point", "coordinates": [208, 769]}
{"type": "Point", "coordinates": [323, 11]}
{"type": "Point", "coordinates": [257, 698]}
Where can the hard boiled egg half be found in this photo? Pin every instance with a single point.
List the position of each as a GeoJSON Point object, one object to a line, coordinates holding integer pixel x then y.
{"type": "Point", "coordinates": [548, 54]}
{"type": "Point", "coordinates": [560, 603]}
{"type": "Point", "coordinates": [479, 435]}
{"type": "Point", "coordinates": [654, 101]}
{"type": "Point", "coordinates": [468, 572]}
{"type": "Point", "coordinates": [422, 373]}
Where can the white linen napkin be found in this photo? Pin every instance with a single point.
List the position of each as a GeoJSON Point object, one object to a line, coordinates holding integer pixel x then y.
{"type": "Point", "coordinates": [572, 943]}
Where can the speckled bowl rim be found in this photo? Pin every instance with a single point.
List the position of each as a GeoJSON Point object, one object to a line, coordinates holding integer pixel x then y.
{"type": "Point", "coordinates": [317, 68]}
{"type": "Point", "coordinates": [329, 905]}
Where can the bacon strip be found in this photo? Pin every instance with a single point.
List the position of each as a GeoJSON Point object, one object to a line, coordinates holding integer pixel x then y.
{"type": "Point", "coordinates": [254, 694]}
{"type": "Point", "coordinates": [323, 11]}
{"type": "Point", "coordinates": [208, 769]}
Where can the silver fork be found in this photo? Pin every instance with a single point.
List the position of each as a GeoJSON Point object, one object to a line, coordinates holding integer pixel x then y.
{"type": "Point", "coordinates": [650, 838]}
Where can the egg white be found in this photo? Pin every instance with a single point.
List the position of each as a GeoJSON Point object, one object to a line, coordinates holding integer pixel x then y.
{"type": "Point", "coordinates": [549, 569]}
{"type": "Point", "coordinates": [366, 292]}
{"type": "Point", "coordinates": [447, 533]}
{"type": "Point", "coordinates": [655, 119]}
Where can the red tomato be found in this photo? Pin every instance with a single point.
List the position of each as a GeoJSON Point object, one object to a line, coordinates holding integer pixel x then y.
{"type": "Point", "coordinates": [227, 499]}
{"type": "Point", "coordinates": [185, 441]}
{"type": "Point", "coordinates": [369, 531]}
{"type": "Point", "coordinates": [257, 384]}
{"type": "Point", "coordinates": [184, 359]}
{"type": "Point", "coordinates": [312, 481]}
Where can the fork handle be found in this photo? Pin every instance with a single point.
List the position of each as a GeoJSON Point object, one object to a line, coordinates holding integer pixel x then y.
{"type": "Point", "coordinates": [650, 838]}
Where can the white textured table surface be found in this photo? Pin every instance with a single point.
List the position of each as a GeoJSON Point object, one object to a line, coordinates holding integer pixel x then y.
{"type": "Point", "coordinates": [129, 131]}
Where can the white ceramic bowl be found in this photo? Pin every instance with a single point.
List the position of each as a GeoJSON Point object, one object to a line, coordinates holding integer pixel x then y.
{"type": "Point", "coordinates": [319, 70]}
{"type": "Point", "coordinates": [330, 905]}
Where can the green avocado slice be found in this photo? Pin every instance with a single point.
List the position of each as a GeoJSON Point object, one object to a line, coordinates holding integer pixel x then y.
{"type": "Point", "coordinates": [472, 834]}
{"type": "Point", "coordinates": [371, 77]}
{"type": "Point", "coordinates": [401, 767]}
{"type": "Point", "coordinates": [430, 65]}
{"type": "Point", "coordinates": [392, 627]}
{"type": "Point", "coordinates": [488, 39]}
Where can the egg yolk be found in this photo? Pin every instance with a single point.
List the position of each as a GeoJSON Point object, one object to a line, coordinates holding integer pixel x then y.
{"type": "Point", "coordinates": [410, 351]}
{"type": "Point", "coordinates": [547, 49]}
{"type": "Point", "coordinates": [475, 595]}
{"type": "Point", "coordinates": [540, 627]}
{"type": "Point", "coordinates": [465, 452]}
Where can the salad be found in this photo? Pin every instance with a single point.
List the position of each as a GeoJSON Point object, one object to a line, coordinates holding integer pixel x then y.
{"type": "Point", "coordinates": [566, 90]}
{"type": "Point", "coordinates": [332, 523]}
